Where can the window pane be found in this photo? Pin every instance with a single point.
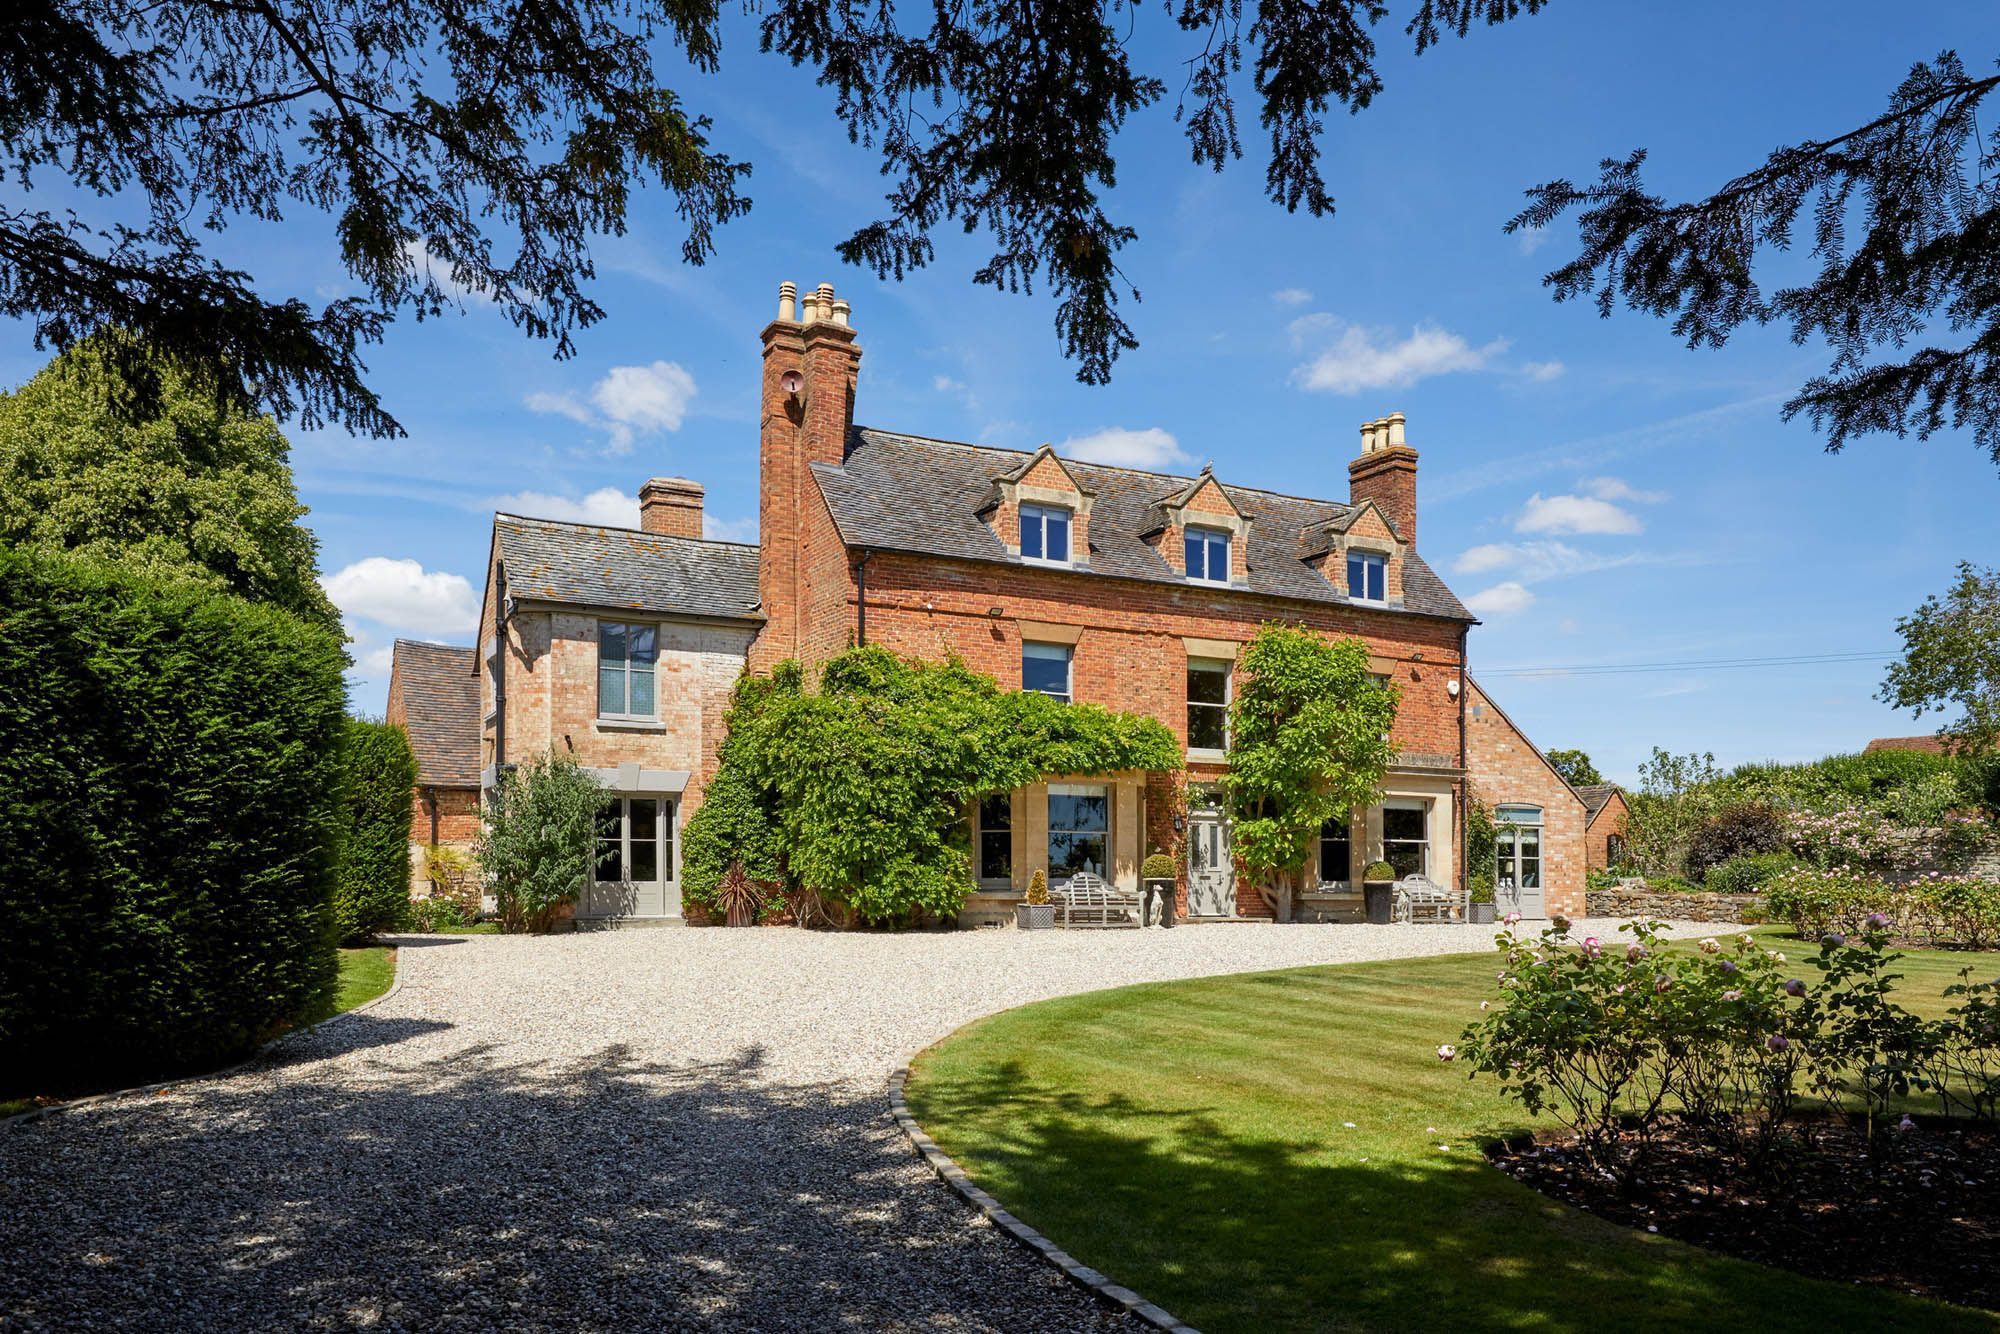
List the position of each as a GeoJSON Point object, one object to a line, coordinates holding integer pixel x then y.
{"type": "Point", "coordinates": [1207, 685]}
{"type": "Point", "coordinates": [1045, 667]}
{"type": "Point", "coordinates": [1071, 853]}
{"type": "Point", "coordinates": [641, 644]}
{"type": "Point", "coordinates": [610, 642]}
{"type": "Point", "coordinates": [996, 854]}
{"type": "Point", "coordinates": [1407, 858]}
{"type": "Point", "coordinates": [1357, 577]}
{"type": "Point", "coordinates": [645, 840]}
{"type": "Point", "coordinates": [1087, 812]}
{"type": "Point", "coordinates": [1197, 552]}
{"type": "Point", "coordinates": [1208, 727]}
{"type": "Point", "coordinates": [610, 823]}
{"type": "Point", "coordinates": [1336, 851]}
{"type": "Point", "coordinates": [667, 841]}
{"type": "Point", "coordinates": [1031, 532]}
{"type": "Point", "coordinates": [1377, 571]}
{"type": "Point", "coordinates": [1518, 814]}
{"type": "Point", "coordinates": [610, 691]}
{"type": "Point", "coordinates": [1218, 559]}
{"type": "Point", "coordinates": [997, 811]}
{"type": "Point", "coordinates": [642, 691]}
{"type": "Point", "coordinates": [1056, 526]}
{"type": "Point", "coordinates": [1403, 822]}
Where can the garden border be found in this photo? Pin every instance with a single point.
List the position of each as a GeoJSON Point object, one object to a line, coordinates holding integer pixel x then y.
{"type": "Point", "coordinates": [955, 1176]}
{"type": "Point", "coordinates": [43, 1113]}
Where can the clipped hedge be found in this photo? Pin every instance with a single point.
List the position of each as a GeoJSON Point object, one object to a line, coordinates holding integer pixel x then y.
{"type": "Point", "coordinates": [1749, 874]}
{"type": "Point", "coordinates": [372, 892]}
{"type": "Point", "coordinates": [169, 820]}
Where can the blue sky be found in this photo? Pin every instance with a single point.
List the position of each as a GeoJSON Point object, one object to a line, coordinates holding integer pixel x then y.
{"type": "Point", "coordinates": [1606, 497]}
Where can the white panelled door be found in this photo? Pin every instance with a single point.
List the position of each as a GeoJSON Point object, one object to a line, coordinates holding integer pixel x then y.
{"type": "Point", "coordinates": [1211, 868]}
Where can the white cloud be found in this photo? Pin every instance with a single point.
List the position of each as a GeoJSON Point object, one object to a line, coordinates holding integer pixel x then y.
{"type": "Point", "coordinates": [729, 530]}
{"type": "Point", "coordinates": [1501, 599]}
{"type": "Point", "coordinates": [425, 265]}
{"type": "Point", "coordinates": [1542, 371]}
{"type": "Point", "coordinates": [627, 401]}
{"type": "Point", "coordinates": [1568, 625]}
{"type": "Point", "coordinates": [1531, 239]}
{"type": "Point", "coordinates": [1615, 488]}
{"type": "Point", "coordinates": [1537, 560]}
{"type": "Point", "coordinates": [1291, 296]}
{"type": "Point", "coordinates": [404, 595]}
{"type": "Point", "coordinates": [1574, 514]}
{"type": "Point", "coordinates": [1126, 448]}
{"type": "Point", "coordinates": [1357, 359]}
{"type": "Point", "coordinates": [607, 507]}
{"type": "Point", "coordinates": [944, 384]}
{"type": "Point", "coordinates": [373, 656]}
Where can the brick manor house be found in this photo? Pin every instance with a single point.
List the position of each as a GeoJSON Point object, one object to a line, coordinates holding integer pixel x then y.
{"type": "Point", "coordinates": [1135, 590]}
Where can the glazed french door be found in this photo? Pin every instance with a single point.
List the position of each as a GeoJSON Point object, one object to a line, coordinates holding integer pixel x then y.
{"type": "Point", "coordinates": [632, 868]}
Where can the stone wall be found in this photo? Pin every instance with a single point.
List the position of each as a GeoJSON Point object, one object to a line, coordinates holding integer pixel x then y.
{"type": "Point", "coordinates": [1637, 903]}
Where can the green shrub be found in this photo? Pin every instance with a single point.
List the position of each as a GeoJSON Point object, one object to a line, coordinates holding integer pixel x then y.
{"type": "Point", "coordinates": [169, 821]}
{"type": "Point", "coordinates": [1816, 902]}
{"type": "Point", "coordinates": [1379, 871]}
{"type": "Point", "coordinates": [453, 874]}
{"type": "Point", "coordinates": [372, 892]}
{"type": "Point", "coordinates": [1159, 866]}
{"type": "Point", "coordinates": [1749, 874]}
{"type": "Point", "coordinates": [1742, 830]}
{"type": "Point", "coordinates": [1038, 888]}
{"type": "Point", "coordinates": [429, 915]}
{"type": "Point", "coordinates": [1671, 884]}
{"type": "Point", "coordinates": [537, 844]}
{"type": "Point", "coordinates": [1951, 910]}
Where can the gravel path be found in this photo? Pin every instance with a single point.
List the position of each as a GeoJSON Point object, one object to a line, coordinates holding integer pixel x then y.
{"type": "Point", "coordinates": [639, 1129]}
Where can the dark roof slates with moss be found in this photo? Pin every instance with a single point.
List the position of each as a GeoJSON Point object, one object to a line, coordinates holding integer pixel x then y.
{"type": "Point", "coordinates": [549, 560]}
{"type": "Point", "coordinates": [909, 493]}
{"type": "Point", "coordinates": [1595, 797]}
{"type": "Point", "coordinates": [440, 691]}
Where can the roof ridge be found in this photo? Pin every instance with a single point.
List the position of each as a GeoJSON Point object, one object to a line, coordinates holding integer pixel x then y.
{"type": "Point", "coordinates": [621, 528]}
{"type": "Point", "coordinates": [1111, 467]}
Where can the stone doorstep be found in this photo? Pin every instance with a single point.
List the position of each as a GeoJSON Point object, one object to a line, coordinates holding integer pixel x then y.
{"type": "Point", "coordinates": [1077, 1272]}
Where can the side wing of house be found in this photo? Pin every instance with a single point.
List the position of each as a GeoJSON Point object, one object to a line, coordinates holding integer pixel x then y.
{"type": "Point", "coordinates": [1540, 819]}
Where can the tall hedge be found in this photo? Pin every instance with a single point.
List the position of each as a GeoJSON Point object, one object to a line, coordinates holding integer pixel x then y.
{"type": "Point", "coordinates": [372, 892]}
{"type": "Point", "coordinates": [169, 821]}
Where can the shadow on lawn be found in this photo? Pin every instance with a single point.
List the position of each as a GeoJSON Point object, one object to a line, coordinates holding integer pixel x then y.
{"type": "Point", "coordinates": [1231, 1233]}
{"type": "Point", "coordinates": [355, 1181]}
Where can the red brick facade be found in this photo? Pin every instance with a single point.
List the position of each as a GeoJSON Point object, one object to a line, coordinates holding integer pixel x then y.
{"type": "Point", "coordinates": [1507, 770]}
{"type": "Point", "coordinates": [1606, 825]}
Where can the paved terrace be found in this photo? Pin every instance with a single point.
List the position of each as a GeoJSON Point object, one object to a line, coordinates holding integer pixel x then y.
{"type": "Point", "coordinates": [625, 1130]}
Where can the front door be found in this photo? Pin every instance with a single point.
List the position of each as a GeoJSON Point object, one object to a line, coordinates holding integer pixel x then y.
{"type": "Point", "coordinates": [1211, 868]}
{"type": "Point", "coordinates": [633, 870]}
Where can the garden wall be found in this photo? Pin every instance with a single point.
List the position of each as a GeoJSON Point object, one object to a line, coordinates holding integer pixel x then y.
{"type": "Point", "coordinates": [1646, 903]}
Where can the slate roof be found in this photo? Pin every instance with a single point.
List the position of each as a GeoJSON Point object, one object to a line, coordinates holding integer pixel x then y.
{"type": "Point", "coordinates": [1595, 797]}
{"type": "Point", "coordinates": [439, 685]}
{"type": "Point", "coordinates": [552, 561]}
{"type": "Point", "coordinates": [909, 493]}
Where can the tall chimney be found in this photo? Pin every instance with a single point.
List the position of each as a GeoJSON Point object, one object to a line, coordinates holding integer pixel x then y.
{"type": "Point", "coordinates": [671, 506]}
{"type": "Point", "coordinates": [811, 365]}
{"type": "Point", "coordinates": [1386, 473]}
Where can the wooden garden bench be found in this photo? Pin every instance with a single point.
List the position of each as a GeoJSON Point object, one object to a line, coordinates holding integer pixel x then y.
{"type": "Point", "coordinates": [1419, 896]}
{"type": "Point", "coordinates": [1088, 901]}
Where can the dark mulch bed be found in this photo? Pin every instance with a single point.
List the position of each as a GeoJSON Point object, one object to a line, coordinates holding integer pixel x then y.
{"type": "Point", "coordinates": [1929, 1224]}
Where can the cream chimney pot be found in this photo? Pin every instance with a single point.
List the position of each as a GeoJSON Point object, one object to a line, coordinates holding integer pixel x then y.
{"type": "Point", "coordinates": [788, 296]}
{"type": "Point", "coordinates": [1367, 437]}
{"type": "Point", "coordinates": [1395, 420]}
{"type": "Point", "coordinates": [841, 310]}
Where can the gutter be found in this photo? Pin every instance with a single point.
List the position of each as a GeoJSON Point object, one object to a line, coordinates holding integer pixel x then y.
{"type": "Point", "coordinates": [861, 597]}
{"type": "Point", "coordinates": [1464, 783]}
{"type": "Point", "coordinates": [500, 669]}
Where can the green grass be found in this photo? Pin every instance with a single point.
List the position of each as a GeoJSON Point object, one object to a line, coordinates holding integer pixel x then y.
{"type": "Point", "coordinates": [1188, 1140]}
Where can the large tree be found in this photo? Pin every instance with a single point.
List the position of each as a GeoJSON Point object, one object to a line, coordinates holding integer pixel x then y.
{"type": "Point", "coordinates": [1905, 228]}
{"type": "Point", "coordinates": [1575, 767]}
{"type": "Point", "coordinates": [1951, 657]}
{"type": "Point", "coordinates": [482, 144]}
{"type": "Point", "coordinates": [192, 488]}
{"type": "Point", "coordinates": [1309, 741]}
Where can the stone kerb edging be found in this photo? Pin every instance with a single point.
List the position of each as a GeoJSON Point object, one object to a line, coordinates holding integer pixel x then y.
{"type": "Point", "coordinates": [42, 1113]}
{"type": "Point", "coordinates": [954, 1176]}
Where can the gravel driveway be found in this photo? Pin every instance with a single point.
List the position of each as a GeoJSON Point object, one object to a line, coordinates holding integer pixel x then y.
{"type": "Point", "coordinates": [616, 1130]}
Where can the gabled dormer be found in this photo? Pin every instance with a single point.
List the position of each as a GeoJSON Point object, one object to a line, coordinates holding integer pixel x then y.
{"type": "Point", "coordinates": [1359, 552]}
{"type": "Point", "coordinates": [1041, 512]}
{"type": "Point", "coordinates": [1201, 533]}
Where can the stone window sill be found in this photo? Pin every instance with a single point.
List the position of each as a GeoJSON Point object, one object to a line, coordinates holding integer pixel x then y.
{"type": "Point", "coordinates": [1203, 753]}
{"type": "Point", "coordinates": [632, 724]}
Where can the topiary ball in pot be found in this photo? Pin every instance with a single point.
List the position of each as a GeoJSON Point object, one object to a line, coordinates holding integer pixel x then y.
{"type": "Point", "coordinates": [1159, 866]}
{"type": "Point", "coordinates": [1379, 871]}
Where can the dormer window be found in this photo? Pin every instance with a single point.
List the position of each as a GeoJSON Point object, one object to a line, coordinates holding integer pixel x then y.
{"type": "Point", "coordinates": [1208, 555]}
{"type": "Point", "coordinates": [1045, 534]}
{"type": "Point", "coordinates": [1367, 576]}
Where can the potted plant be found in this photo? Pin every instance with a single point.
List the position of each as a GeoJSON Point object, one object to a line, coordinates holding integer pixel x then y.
{"type": "Point", "coordinates": [1480, 911]}
{"type": "Point", "coordinates": [1036, 913]}
{"type": "Point", "coordinates": [1157, 876]}
{"type": "Point", "coordinates": [1376, 882]}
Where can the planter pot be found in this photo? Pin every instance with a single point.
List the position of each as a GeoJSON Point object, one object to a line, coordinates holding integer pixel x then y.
{"type": "Point", "coordinates": [1160, 890]}
{"type": "Point", "coordinates": [1375, 895]}
{"type": "Point", "coordinates": [1482, 914]}
{"type": "Point", "coordinates": [1035, 916]}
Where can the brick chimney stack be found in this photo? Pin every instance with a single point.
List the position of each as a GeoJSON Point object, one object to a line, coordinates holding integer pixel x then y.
{"type": "Point", "coordinates": [671, 506]}
{"type": "Point", "coordinates": [811, 364]}
{"type": "Point", "coordinates": [1386, 473]}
